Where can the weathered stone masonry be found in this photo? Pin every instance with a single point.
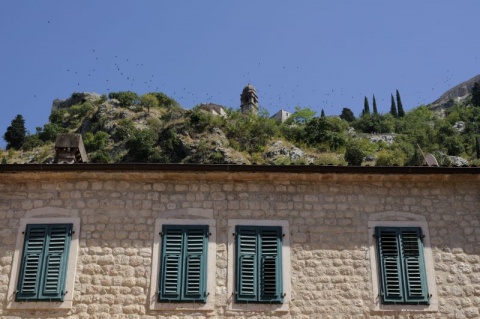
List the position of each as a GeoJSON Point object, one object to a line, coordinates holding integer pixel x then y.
{"type": "Point", "coordinates": [328, 217]}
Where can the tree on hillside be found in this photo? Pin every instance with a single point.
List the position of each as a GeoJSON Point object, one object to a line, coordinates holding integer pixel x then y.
{"type": "Point", "coordinates": [401, 112]}
{"type": "Point", "coordinates": [164, 100]}
{"type": "Point", "coordinates": [16, 133]}
{"type": "Point", "coordinates": [366, 107]}
{"type": "Point", "coordinates": [148, 101]}
{"type": "Point", "coordinates": [347, 115]}
{"type": "Point", "coordinates": [476, 94]}
{"type": "Point", "coordinates": [393, 107]}
{"type": "Point", "coordinates": [302, 115]}
{"type": "Point", "coordinates": [322, 114]}
{"type": "Point", "coordinates": [354, 154]}
{"type": "Point", "coordinates": [329, 132]}
{"type": "Point", "coordinates": [375, 111]}
{"type": "Point", "coordinates": [125, 98]}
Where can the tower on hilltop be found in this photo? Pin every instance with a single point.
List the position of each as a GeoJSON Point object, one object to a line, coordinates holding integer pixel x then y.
{"type": "Point", "coordinates": [249, 100]}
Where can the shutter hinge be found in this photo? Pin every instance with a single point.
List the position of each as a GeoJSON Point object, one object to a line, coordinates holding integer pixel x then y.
{"type": "Point", "coordinates": [209, 234]}
{"type": "Point", "coordinates": [234, 234]}
{"type": "Point", "coordinates": [161, 234]}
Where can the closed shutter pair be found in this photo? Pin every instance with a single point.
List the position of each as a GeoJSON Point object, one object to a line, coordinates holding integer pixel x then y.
{"type": "Point", "coordinates": [402, 265]}
{"type": "Point", "coordinates": [44, 262]}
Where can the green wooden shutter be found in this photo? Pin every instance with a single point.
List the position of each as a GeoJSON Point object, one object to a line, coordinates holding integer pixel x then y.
{"type": "Point", "coordinates": [33, 252]}
{"type": "Point", "coordinates": [44, 262]}
{"type": "Point", "coordinates": [246, 265]}
{"type": "Point", "coordinates": [416, 290]}
{"type": "Point", "coordinates": [389, 262]}
{"type": "Point", "coordinates": [270, 264]}
{"type": "Point", "coordinates": [183, 263]}
{"type": "Point", "coordinates": [56, 260]}
{"type": "Point", "coordinates": [401, 265]}
{"type": "Point", "coordinates": [196, 263]}
{"type": "Point", "coordinates": [258, 264]}
{"type": "Point", "coordinates": [171, 263]}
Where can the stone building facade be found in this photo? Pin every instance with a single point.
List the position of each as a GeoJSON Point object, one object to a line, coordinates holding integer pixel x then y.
{"type": "Point", "coordinates": [328, 219]}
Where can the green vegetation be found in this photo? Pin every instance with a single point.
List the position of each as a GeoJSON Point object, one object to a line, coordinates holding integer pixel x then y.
{"type": "Point", "coordinates": [123, 132]}
{"type": "Point", "coordinates": [375, 110]}
{"type": "Point", "coordinates": [354, 154]}
{"type": "Point", "coordinates": [401, 112]}
{"type": "Point", "coordinates": [393, 107]}
{"type": "Point", "coordinates": [366, 107]}
{"type": "Point", "coordinates": [476, 94]}
{"type": "Point", "coordinates": [347, 115]}
{"type": "Point", "coordinates": [16, 133]}
{"type": "Point", "coordinates": [149, 101]}
{"type": "Point", "coordinates": [125, 98]}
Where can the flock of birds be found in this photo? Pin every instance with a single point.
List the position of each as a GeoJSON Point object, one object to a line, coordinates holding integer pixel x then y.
{"type": "Point", "coordinates": [117, 73]}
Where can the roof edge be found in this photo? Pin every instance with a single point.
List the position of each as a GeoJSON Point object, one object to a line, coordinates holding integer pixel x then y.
{"type": "Point", "coordinates": [151, 167]}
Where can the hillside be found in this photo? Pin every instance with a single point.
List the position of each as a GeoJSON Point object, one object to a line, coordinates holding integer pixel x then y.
{"type": "Point", "coordinates": [456, 94]}
{"type": "Point", "coordinates": [125, 127]}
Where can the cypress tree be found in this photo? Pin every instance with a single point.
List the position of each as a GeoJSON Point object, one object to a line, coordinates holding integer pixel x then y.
{"type": "Point", "coordinates": [16, 133]}
{"type": "Point", "coordinates": [322, 114]}
{"type": "Point", "coordinates": [401, 112]}
{"type": "Point", "coordinates": [347, 115]}
{"type": "Point", "coordinates": [393, 108]}
{"type": "Point", "coordinates": [366, 107]}
{"type": "Point", "coordinates": [476, 94]}
{"type": "Point", "coordinates": [375, 111]}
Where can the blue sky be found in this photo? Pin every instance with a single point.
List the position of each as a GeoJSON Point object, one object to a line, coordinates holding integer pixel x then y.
{"type": "Point", "coordinates": [325, 54]}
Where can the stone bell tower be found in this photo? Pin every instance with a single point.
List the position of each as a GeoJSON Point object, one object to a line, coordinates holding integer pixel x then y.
{"type": "Point", "coordinates": [249, 100]}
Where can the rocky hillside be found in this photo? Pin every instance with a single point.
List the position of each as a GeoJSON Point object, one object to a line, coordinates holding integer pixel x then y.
{"type": "Point", "coordinates": [456, 94]}
{"type": "Point", "coordinates": [154, 128]}
{"type": "Point", "coordinates": [113, 133]}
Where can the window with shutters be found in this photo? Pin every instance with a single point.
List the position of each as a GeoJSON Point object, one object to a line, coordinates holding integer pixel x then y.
{"type": "Point", "coordinates": [402, 266]}
{"type": "Point", "coordinates": [44, 264]}
{"type": "Point", "coordinates": [259, 265]}
{"type": "Point", "coordinates": [183, 265]}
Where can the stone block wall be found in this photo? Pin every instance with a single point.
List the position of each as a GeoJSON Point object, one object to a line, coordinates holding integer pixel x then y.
{"type": "Point", "coordinates": [328, 216]}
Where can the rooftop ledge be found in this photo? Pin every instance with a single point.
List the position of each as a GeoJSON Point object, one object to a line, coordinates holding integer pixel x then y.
{"type": "Point", "coordinates": [233, 168]}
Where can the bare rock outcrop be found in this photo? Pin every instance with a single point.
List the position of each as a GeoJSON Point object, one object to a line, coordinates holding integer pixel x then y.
{"type": "Point", "coordinates": [76, 98]}
{"type": "Point", "coordinates": [455, 94]}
